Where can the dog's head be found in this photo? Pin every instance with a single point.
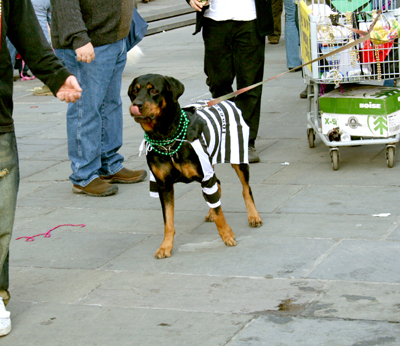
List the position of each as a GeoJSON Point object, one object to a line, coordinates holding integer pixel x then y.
{"type": "Point", "coordinates": [152, 95]}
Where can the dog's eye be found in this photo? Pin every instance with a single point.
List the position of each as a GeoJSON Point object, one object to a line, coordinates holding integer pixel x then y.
{"type": "Point", "coordinates": [135, 91]}
{"type": "Point", "coordinates": [154, 91]}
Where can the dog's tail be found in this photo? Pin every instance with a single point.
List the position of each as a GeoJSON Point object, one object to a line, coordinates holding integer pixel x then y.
{"type": "Point", "coordinates": [134, 56]}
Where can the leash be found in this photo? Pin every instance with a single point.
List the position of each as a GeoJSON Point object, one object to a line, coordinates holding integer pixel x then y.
{"type": "Point", "coordinates": [213, 102]}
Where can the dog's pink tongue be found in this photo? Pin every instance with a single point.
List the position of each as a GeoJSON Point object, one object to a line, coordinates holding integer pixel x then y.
{"type": "Point", "coordinates": [135, 110]}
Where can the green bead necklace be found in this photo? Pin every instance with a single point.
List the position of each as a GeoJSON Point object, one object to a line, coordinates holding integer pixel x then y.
{"type": "Point", "coordinates": [167, 143]}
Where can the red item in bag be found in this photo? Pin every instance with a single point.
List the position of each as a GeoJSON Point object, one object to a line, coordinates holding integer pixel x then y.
{"type": "Point", "coordinates": [367, 52]}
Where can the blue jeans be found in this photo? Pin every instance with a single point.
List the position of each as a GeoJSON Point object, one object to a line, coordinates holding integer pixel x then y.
{"type": "Point", "coordinates": [292, 40]}
{"type": "Point", "coordinates": [94, 122]}
{"type": "Point", "coordinates": [12, 50]}
{"type": "Point", "coordinates": [43, 13]}
{"type": "Point", "coordinates": [9, 181]}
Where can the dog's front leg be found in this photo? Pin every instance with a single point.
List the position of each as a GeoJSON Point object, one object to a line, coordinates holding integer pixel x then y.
{"type": "Point", "coordinates": [224, 230]}
{"type": "Point", "coordinates": [166, 195]}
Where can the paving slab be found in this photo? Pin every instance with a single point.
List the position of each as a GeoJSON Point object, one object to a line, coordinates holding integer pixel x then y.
{"type": "Point", "coordinates": [208, 255]}
{"type": "Point", "coordinates": [44, 325]}
{"type": "Point", "coordinates": [88, 251]}
{"type": "Point", "coordinates": [300, 173]}
{"type": "Point", "coordinates": [202, 292]}
{"type": "Point", "coordinates": [65, 286]}
{"type": "Point", "coordinates": [366, 200]}
{"type": "Point", "coordinates": [311, 226]}
{"type": "Point", "coordinates": [28, 168]}
{"type": "Point", "coordinates": [357, 301]}
{"type": "Point", "coordinates": [287, 331]}
{"type": "Point", "coordinates": [361, 260]}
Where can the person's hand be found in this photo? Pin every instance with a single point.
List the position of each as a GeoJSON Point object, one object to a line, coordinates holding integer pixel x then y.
{"type": "Point", "coordinates": [197, 5]}
{"type": "Point", "coordinates": [85, 53]}
{"type": "Point", "coordinates": [70, 91]}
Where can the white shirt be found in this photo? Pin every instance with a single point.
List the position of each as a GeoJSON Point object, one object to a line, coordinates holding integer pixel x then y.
{"type": "Point", "coordinates": [231, 10]}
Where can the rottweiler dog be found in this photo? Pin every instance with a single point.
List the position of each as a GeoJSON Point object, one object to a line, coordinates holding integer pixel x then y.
{"type": "Point", "coordinates": [182, 145]}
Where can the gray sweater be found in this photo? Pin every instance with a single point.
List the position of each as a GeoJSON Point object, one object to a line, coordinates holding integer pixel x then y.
{"type": "Point", "coordinates": [78, 22]}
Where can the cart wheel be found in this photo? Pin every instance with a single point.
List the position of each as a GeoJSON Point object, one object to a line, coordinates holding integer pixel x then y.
{"type": "Point", "coordinates": [390, 156]}
{"type": "Point", "coordinates": [311, 138]}
{"type": "Point", "coordinates": [335, 159]}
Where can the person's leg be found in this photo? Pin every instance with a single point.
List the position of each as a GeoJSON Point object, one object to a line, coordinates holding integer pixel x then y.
{"type": "Point", "coordinates": [43, 13]}
{"type": "Point", "coordinates": [12, 50]}
{"type": "Point", "coordinates": [277, 7]}
{"type": "Point", "coordinates": [112, 125]}
{"type": "Point", "coordinates": [85, 117]}
{"type": "Point", "coordinates": [249, 53]}
{"type": "Point", "coordinates": [292, 40]}
{"type": "Point", "coordinates": [9, 181]}
{"type": "Point", "coordinates": [41, 8]}
{"type": "Point", "coordinates": [218, 56]}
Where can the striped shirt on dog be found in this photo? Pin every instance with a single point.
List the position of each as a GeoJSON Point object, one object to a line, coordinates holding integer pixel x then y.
{"type": "Point", "coordinates": [224, 140]}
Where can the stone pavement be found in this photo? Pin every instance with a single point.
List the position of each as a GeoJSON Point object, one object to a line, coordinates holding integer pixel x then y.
{"type": "Point", "coordinates": [322, 270]}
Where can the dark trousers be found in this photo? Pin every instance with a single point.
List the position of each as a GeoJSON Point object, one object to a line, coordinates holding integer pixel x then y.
{"type": "Point", "coordinates": [277, 8]}
{"type": "Point", "coordinates": [234, 49]}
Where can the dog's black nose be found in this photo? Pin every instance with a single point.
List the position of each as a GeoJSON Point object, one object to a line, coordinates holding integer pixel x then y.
{"type": "Point", "coordinates": [138, 103]}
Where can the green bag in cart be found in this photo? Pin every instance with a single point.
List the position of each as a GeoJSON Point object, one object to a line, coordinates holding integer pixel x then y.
{"type": "Point", "coordinates": [344, 6]}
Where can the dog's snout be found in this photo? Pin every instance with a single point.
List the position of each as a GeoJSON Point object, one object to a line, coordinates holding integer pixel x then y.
{"type": "Point", "coordinates": [138, 103]}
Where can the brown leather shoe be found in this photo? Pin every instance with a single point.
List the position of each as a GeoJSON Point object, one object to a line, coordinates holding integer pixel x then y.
{"type": "Point", "coordinates": [96, 188]}
{"type": "Point", "coordinates": [125, 176]}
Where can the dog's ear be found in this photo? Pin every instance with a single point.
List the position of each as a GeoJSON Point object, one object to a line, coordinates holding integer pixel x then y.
{"type": "Point", "coordinates": [130, 89]}
{"type": "Point", "coordinates": [175, 86]}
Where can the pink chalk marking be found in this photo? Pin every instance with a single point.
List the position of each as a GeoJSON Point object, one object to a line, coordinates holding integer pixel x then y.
{"type": "Point", "coordinates": [47, 234]}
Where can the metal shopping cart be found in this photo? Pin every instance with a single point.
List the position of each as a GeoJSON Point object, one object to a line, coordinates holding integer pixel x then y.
{"type": "Point", "coordinates": [347, 103]}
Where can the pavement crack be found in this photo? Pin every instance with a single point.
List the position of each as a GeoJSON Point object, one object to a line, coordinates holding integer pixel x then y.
{"type": "Point", "coordinates": [323, 257]}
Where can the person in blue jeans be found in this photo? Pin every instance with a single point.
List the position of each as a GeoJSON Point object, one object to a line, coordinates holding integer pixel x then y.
{"type": "Point", "coordinates": [89, 37]}
{"type": "Point", "coordinates": [292, 38]}
{"type": "Point", "coordinates": [43, 13]}
{"type": "Point", "coordinates": [42, 10]}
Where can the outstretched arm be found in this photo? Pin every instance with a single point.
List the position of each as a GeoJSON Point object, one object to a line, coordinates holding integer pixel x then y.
{"type": "Point", "coordinates": [70, 91]}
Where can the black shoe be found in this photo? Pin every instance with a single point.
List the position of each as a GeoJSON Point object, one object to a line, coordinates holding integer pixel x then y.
{"type": "Point", "coordinates": [304, 93]}
{"type": "Point", "coordinates": [253, 156]}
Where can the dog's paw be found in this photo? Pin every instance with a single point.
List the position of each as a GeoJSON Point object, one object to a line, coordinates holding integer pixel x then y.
{"type": "Point", "coordinates": [163, 253]}
{"type": "Point", "coordinates": [229, 241]}
{"type": "Point", "coordinates": [255, 221]}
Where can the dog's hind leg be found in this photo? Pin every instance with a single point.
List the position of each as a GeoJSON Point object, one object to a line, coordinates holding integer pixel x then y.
{"type": "Point", "coordinates": [167, 204]}
{"type": "Point", "coordinates": [243, 172]}
{"type": "Point", "coordinates": [224, 230]}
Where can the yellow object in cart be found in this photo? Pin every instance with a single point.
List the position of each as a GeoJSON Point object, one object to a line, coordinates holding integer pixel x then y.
{"type": "Point", "coordinates": [385, 30]}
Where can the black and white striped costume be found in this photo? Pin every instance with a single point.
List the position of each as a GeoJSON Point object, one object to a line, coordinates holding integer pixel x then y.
{"type": "Point", "coordinates": [223, 140]}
